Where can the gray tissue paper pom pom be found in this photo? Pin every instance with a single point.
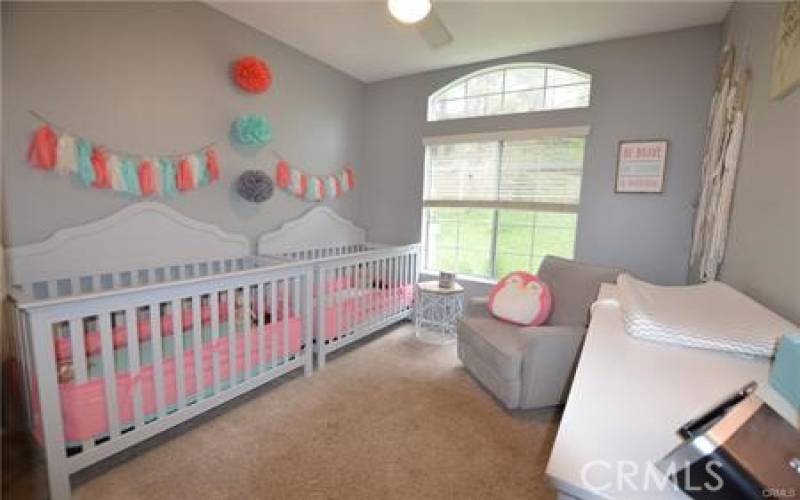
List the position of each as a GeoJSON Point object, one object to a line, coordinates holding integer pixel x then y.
{"type": "Point", "coordinates": [255, 186]}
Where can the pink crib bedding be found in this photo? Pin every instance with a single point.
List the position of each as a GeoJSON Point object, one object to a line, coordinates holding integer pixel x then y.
{"type": "Point", "coordinates": [84, 405]}
{"type": "Point", "coordinates": [355, 306]}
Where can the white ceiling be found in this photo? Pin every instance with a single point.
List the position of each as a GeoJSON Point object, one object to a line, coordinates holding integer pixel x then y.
{"type": "Point", "coordinates": [361, 39]}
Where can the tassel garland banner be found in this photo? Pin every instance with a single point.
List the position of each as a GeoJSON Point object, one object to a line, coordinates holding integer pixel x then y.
{"type": "Point", "coordinates": [135, 175]}
{"type": "Point", "coordinates": [314, 187]}
{"type": "Point", "coordinates": [42, 153]}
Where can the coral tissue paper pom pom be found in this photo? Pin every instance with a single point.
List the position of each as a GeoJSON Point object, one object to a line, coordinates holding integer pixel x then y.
{"type": "Point", "coordinates": [252, 74]}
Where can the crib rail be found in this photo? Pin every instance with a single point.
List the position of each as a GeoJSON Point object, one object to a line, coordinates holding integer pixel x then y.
{"type": "Point", "coordinates": [103, 371]}
{"type": "Point", "coordinates": [326, 252]}
{"type": "Point", "coordinates": [359, 294]}
{"type": "Point", "coordinates": [73, 286]}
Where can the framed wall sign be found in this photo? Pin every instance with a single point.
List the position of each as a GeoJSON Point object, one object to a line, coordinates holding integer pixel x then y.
{"type": "Point", "coordinates": [641, 165]}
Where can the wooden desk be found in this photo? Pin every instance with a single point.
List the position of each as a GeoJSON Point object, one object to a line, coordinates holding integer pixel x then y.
{"type": "Point", "coordinates": [628, 398]}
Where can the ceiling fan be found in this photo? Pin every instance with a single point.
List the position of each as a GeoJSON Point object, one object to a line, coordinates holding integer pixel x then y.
{"type": "Point", "coordinates": [428, 23]}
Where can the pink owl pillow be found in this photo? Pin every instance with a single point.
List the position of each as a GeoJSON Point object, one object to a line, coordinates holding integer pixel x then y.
{"type": "Point", "coordinates": [521, 298]}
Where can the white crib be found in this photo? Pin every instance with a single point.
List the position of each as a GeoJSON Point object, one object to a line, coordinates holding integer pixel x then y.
{"type": "Point", "coordinates": [360, 287]}
{"type": "Point", "coordinates": [208, 320]}
{"type": "Point", "coordinates": [210, 326]}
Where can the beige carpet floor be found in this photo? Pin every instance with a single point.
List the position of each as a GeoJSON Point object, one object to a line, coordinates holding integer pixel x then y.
{"type": "Point", "coordinates": [389, 418]}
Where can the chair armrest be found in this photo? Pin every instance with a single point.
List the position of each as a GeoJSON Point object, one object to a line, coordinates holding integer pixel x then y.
{"type": "Point", "coordinates": [477, 307]}
{"type": "Point", "coordinates": [549, 359]}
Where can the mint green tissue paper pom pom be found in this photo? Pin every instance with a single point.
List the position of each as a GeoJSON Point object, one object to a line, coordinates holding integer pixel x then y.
{"type": "Point", "coordinates": [252, 130]}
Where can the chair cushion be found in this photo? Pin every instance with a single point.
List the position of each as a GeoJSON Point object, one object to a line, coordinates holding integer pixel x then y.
{"type": "Point", "coordinates": [574, 286]}
{"type": "Point", "coordinates": [499, 344]}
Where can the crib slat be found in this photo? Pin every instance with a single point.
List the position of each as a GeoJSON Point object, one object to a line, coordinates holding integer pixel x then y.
{"type": "Point", "coordinates": [386, 288]}
{"type": "Point", "coordinates": [409, 276]}
{"type": "Point", "coordinates": [379, 282]}
{"type": "Point", "coordinates": [390, 289]}
{"type": "Point", "coordinates": [377, 285]}
{"type": "Point", "coordinates": [371, 294]}
{"type": "Point", "coordinates": [134, 365]}
{"type": "Point", "coordinates": [405, 277]}
{"type": "Point", "coordinates": [322, 308]}
{"type": "Point", "coordinates": [407, 271]}
{"type": "Point", "coordinates": [337, 298]}
{"type": "Point", "coordinates": [396, 284]}
{"type": "Point", "coordinates": [246, 331]}
{"type": "Point", "coordinates": [26, 354]}
{"type": "Point", "coordinates": [109, 375]}
{"type": "Point", "coordinates": [307, 316]}
{"type": "Point", "coordinates": [412, 279]}
{"type": "Point", "coordinates": [295, 310]}
{"type": "Point", "coordinates": [79, 369]}
{"type": "Point", "coordinates": [393, 286]}
{"type": "Point", "coordinates": [273, 316]}
{"type": "Point", "coordinates": [353, 301]}
{"type": "Point", "coordinates": [177, 337]}
{"type": "Point", "coordinates": [362, 295]}
{"type": "Point", "coordinates": [262, 334]}
{"type": "Point", "coordinates": [158, 357]}
{"type": "Point", "coordinates": [350, 300]}
{"type": "Point", "coordinates": [286, 283]}
{"type": "Point", "coordinates": [380, 290]}
{"type": "Point", "coordinates": [213, 300]}
{"type": "Point", "coordinates": [231, 295]}
{"type": "Point", "coordinates": [402, 283]}
{"type": "Point", "coordinates": [197, 344]}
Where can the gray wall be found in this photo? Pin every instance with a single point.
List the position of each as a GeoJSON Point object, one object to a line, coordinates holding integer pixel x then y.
{"type": "Point", "coordinates": [656, 86]}
{"type": "Point", "coordinates": [763, 253]}
{"type": "Point", "coordinates": [155, 78]}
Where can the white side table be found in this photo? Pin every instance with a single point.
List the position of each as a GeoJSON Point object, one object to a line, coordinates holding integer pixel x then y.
{"type": "Point", "coordinates": [437, 311]}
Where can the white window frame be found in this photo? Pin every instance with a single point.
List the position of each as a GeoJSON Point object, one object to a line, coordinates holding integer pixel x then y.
{"type": "Point", "coordinates": [501, 137]}
{"type": "Point", "coordinates": [434, 97]}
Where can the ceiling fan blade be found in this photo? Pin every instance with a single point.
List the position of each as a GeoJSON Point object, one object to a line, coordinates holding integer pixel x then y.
{"type": "Point", "coordinates": [433, 30]}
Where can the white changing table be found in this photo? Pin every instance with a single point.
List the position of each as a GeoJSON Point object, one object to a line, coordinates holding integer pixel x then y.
{"type": "Point", "coordinates": [628, 398]}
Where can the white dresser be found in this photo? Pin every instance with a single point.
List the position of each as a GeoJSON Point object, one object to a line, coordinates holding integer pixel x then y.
{"type": "Point", "coordinates": [628, 398]}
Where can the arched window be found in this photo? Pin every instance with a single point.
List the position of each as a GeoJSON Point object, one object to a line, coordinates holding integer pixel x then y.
{"type": "Point", "coordinates": [496, 201]}
{"type": "Point", "coordinates": [513, 88]}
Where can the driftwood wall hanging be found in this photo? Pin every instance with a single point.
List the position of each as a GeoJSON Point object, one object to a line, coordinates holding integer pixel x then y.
{"type": "Point", "coordinates": [720, 161]}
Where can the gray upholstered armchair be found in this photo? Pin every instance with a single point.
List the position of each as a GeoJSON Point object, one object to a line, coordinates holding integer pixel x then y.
{"type": "Point", "coordinates": [532, 367]}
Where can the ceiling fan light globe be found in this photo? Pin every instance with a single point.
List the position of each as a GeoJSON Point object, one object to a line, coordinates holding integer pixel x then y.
{"type": "Point", "coordinates": [409, 11]}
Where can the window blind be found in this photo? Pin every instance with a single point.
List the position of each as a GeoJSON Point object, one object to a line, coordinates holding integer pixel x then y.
{"type": "Point", "coordinates": [539, 174]}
